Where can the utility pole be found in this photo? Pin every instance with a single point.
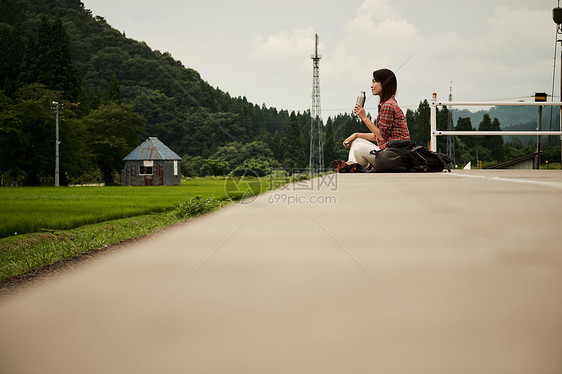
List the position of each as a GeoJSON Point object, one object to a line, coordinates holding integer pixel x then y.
{"type": "Point", "coordinates": [539, 97]}
{"type": "Point", "coordinates": [57, 184]}
{"type": "Point", "coordinates": [316, 152]}
{"type": "Point", "coordinates": [557, 18]}
{"type": "Point", "coordinates": [450, 139]}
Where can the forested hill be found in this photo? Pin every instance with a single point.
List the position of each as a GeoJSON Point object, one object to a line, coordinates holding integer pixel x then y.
{"type": "Point", "coordinates": [168, 95]}
{"type": "Point", "coordinates": [111, 86]}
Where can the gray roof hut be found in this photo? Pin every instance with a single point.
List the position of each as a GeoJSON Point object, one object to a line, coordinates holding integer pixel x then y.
{"type": "Point", "coordinates": [152, 164]}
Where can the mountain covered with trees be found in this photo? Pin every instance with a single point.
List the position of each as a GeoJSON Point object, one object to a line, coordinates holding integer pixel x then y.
{"type": "Point", "coordinates": [114, 92]}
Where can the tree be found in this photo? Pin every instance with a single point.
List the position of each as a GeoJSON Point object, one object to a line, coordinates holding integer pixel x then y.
{"type": "Point", "coordinates": [496, 142]}
{"type": "Point", "coordinates": [258, 166]}
{"type": "Point", "coordinates": [214, 167]}
{"type": "Point", "coordinates": [462, 153]}
{"type": "Point", "coordinates": [275, 144]}
{"type": "Point", "coordinates": [411, 121]}
{"type": "Point", "coordinates": [27, 138]}
{"type": "Point", "coordinates": [115, 90]}
{"type": "Point", "coordinates": [11, 12]}
{"type": "Point", "coordinates": [329, 142]}
{"type": "Point", "coordinates": [64, 76]}
{"type": "Point", "coordinates": [49, 61]}
{"type": "Point", "coordinates": [294, 156]}
{"type": "Point", "coordinates": [442, 122]}
{"type": "Point", "coordinates": [256, 149]}
{"type": "Point", "coordinates": [113, 132]}
{"type": "Point", "coordinates": [464, 124]}
{"type": "Point", "coordinates": [420, 128]}
{"type": "Point", "coordinates": [191, 166]}
{"type": "Point", "coordinates": [28, 71]}
{"type": "Point", "coordinates": [516, 149]}
{"type": "Point", "coordinates": [11, 58]}
{"type": "Point", "coordinates": [492, 143]}
{"type": "Point", "coordinates": [33, 106]}
{"type": "Point", "coordinates": [464, 143]}
{"type": "Point", "coordinates": [76, 163]}
{"type": "Point", "coordinates": [13, 140]}
{"type": "Point", "coordinates": [236, 155]}
{"type": "Point", "coordinates": [342, 128]}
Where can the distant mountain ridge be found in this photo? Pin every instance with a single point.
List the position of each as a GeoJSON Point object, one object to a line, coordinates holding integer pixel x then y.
{"type": "Point", "coordinates": [512, 117]}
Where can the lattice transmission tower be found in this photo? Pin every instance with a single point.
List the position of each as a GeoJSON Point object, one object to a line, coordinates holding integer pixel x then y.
{"type": "Point", "coordinates": [316, 154]}
{"type": "Point", "coordinates": [450, 138]}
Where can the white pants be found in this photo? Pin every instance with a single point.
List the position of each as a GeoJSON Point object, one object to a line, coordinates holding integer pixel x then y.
{"type": "Point", "coordinates": [360, 152]}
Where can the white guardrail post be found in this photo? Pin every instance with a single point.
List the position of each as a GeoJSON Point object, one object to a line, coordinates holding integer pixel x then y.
{"type": "Point", "coordinates": [433, 123]}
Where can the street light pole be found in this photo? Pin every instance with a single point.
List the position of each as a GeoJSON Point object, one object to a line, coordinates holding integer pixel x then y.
{"type": "Point", "coordinates": [557, 18]}
{"type": "Point", "coordinates": [57, 184]}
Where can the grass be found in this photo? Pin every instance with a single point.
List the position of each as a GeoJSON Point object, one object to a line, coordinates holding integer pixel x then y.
{"type": "Point", "coordinates": [32, 209]}
{"type": "Point", "coordinates": [58, 223]}
{"type": "Point", "coordinates": [20, 254]}
{"type": "Point", "coordinates": [551, 166]}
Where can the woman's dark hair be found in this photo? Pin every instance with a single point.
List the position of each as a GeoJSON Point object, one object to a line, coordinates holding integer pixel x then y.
{"type": "Point", "coordinates": [388, 81]}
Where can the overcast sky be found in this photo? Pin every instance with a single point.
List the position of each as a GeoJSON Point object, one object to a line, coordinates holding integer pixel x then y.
{"type": "Point", "coordinates": [489, 49]}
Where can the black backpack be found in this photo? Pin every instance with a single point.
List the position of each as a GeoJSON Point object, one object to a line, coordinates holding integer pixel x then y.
{"type": "Point", "coordinates": [406, 156]}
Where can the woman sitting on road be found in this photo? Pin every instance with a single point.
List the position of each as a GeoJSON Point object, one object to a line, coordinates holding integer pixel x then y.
{"type": "Point", "coordinates": [390, 124]}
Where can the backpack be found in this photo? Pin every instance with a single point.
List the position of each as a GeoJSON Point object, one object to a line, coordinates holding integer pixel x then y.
{"type": "Point", "coordinates": [406, 156]}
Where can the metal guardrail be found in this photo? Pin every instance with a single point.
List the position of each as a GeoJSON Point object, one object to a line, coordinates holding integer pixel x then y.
{"type": "Point", "coordinates": [434, 103]}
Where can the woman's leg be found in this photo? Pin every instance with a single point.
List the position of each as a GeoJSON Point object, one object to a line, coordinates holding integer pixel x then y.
{"type": "Point", "coordinates": [360, 152]}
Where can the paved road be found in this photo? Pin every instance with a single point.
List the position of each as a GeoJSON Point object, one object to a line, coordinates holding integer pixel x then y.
{"type": "Point", "coordinates": [389, 273]}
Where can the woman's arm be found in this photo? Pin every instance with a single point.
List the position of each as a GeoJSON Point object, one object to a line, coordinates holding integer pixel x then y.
{"type": "Point", "coordinates": [360, 111]}
{"type": "Point", "coordinates": [367, 136]}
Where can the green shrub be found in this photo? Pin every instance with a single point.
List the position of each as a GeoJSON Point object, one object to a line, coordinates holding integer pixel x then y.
{"type": "Point", "coordinates": [197, 206]}
{"type": "Point", "coordinates": [259, 166]}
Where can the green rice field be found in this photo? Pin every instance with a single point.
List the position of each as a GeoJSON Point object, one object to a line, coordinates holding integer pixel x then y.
{"type": "Point", "coordinates": [35, 209]}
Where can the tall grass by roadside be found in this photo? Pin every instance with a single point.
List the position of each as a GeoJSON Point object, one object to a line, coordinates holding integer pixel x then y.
{"type": "Point", "coordinates": [20, 254]}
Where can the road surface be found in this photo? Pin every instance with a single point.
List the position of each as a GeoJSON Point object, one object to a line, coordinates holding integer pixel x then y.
{"type": "Point", "coordinates": [352, 273]}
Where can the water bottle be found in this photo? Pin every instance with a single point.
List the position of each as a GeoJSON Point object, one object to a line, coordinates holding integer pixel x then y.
{"type": "Point", "coordinates": [361, 98]}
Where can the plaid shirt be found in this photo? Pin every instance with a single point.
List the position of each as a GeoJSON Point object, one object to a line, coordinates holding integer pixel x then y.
{"type": "Point", "coordinates": [391, 123]}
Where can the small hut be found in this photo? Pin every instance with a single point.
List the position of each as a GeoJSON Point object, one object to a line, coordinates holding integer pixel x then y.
{"type": "Point", "coordinates": [152, 164]}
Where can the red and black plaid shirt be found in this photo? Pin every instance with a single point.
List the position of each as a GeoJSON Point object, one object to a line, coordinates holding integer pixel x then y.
{"type": "Point", "coordinates": [391, 123]}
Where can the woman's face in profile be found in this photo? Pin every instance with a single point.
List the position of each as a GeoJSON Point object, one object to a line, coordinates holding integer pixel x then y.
{"type": "Point", "coordinates": [376, 87]}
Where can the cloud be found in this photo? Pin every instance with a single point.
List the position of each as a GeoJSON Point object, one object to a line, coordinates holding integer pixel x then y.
{"type": "Point", "coordinates": [504, 51]}
{"type": "Point", "coordinates": [510, 37]}
{"type": "Point", "coordinates": [508, 56]}
{"type": "Point", "coordinates": [381, 9]}
{"type": "Point", "coordinates": [284, 45]}
{"type": "Point", "coordinates": [376, 37]}
{"type": "Point", "coordinates": [282, 65]}
{"type": "Point", "coordinates": [489, 49]}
